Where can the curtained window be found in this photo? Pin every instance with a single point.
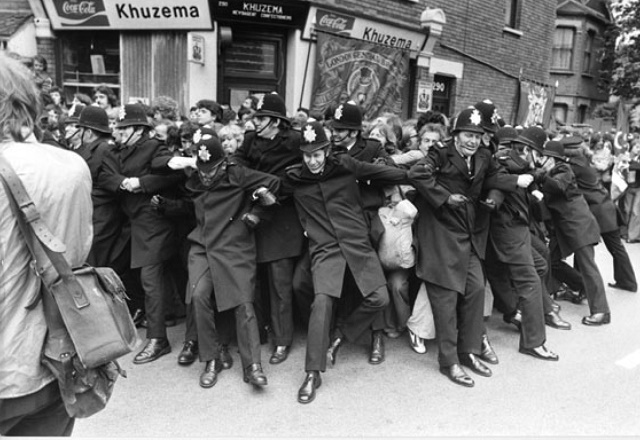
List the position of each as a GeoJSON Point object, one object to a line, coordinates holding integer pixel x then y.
{"type": "Point", "coordinates": [562, 51]}
{"type": "Point", "coordinates": [511, 13]}
{"type": "Point", "coordinates": [588, 52]}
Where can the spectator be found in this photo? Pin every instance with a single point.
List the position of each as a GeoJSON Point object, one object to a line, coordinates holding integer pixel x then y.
{"type": "Point", "coordinates": [30, 402]}
{"type": "Point", "coordinates": [164, 107]}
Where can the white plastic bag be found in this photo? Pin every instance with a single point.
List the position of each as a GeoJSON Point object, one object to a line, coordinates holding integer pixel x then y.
{"type": "Point", "coordinates": [395, 250]}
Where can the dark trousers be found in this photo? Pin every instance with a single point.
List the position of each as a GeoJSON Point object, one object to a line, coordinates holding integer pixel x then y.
{"type": "Point", "coordinates": [303, 293]}
{"type": "Point", "coordinates": [528, 289]}
{"type": "Point", "coordinates": [280, 274]}
{"type": "Point", "coordinates": [458, 315]}
{"type": "Point", "coordinates": [41, 414]}
{"type": "Point", "coordinates": [561, 271]}
{"type": "Point", "coordinates": [156, 282]}
{"type": "Point", "coordinates": [584, 260]}
{"type": "Point", "coordinates": [541, 263]}
{"type": "Point", "coordinates": [209, 339]}
{"type": "Point", "coordinates": [623, 272]}
{"type": "Point", "coordinates": [190, 331]}
{"type": "Point", "coordinates": [350, 327]}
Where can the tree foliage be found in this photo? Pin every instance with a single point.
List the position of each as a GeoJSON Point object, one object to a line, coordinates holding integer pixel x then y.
{"type": "Point", "coordinates": [621, 56]}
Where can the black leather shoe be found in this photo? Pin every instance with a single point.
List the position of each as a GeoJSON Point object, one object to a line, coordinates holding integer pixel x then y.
{"type": "Point", "coordinates": [456, 374]}
{"type": "Point", "coordinates": [470, 361]}
{"type": "Point", "coordinates": [307, 391]}
{"type": "Point", "coordinates": [155, 348]}
{"type": "Point", "coordinates": [487, 353]}
{"type": "Point", "coordinates": [566, 294]}
{"type": "Point", "coordinates": [138, 317]}
{"type": "Point", "coordinates": [188, 354]}
{"type": "Point", "coordinates": [555, 306]}
{"type": "Point", "coordinates": [225, 357]}
{"type": "Point", "coordinates": [618, 286]}
{"type": "Point", "coordinates": [514, 318]}
{"type": "Point", "coordinates": [597, 319]}
{"type": "Point", "coordinates": [332, 352]}
{"type": "Point", "coordinates": [209, 376]}
{"type": "Point", "coordinates": [540, 352]}
{"type": "Point", "coordinates": [279, 355]}
{"type": "Point", "coordinates": [553, 319]}
{"type": "Point", "coordinates": [253, 374]}
{"type": "Point", "coordinates": [377, 348]}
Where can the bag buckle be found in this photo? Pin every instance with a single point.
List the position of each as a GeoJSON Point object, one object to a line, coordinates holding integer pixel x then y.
{"type": "Point", "coordinates": [30, 211]}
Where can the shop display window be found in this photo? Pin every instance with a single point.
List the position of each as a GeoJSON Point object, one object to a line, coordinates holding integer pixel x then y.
{"type": "Point", "coordinates": [88, 60]}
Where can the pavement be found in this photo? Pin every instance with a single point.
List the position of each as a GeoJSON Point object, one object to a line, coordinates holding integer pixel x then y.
{"type": "Point", "coordinates": [593, 390]}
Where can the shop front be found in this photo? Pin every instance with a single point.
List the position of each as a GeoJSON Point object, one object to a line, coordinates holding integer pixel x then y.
{"type": "Point", "coordinates": [141, 48]}
{"type": "Point", "coordinates": [255, 37]}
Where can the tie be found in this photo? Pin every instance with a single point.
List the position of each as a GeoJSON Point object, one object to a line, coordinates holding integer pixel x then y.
{"type": "Point", "coordinates": [468, 159]}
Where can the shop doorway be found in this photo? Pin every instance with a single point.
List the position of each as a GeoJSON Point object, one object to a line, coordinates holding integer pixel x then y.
{"type": "Point", "coordinates": [442, 86]}
{"type": "Point", "coordinates": [253, 63]}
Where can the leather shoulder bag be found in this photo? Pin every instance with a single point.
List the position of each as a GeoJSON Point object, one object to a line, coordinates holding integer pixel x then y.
{"type": "Point", "coordinates": [88, 321]}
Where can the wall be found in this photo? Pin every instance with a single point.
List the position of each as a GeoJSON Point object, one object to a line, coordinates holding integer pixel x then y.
{"type": "Point", "coordinates": [23, 41]}
{"type": "Point", "coordinates": [493, 57]}
{"type": "Point", "coordinates": [299, 60]}
{"type": "Point", "coordinates": [203, 79]}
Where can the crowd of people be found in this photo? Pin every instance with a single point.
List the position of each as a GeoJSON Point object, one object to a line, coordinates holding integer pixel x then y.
{"type": "Point", "coordinates": [247, 222]}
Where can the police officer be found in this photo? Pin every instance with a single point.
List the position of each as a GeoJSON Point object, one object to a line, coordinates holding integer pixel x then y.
{"type": "Point", "coordinates": [603, 209]}
{"type": "Point", "coordinates": [328, 202]}
{"type": "Point", "coordinates": [575, 228]}
{"type": "Point", "coordinates": [127, 174]}
{"type": "Point", "coordinates": [271, 148]}
{"type": "Point", "coordinates": [347, 138]}
{"type": "Point", "coordinates": [450, 182]}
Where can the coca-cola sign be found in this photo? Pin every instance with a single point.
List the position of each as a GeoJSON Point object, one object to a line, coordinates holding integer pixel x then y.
{"type": "Point", "coordinates": [332, 22]}
{"type": "Point", "coordinates": [79, 9]}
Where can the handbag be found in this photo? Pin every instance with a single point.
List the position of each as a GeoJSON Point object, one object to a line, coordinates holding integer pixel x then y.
{"type": "Point", "coordinates": [88, 321]}
{"type": "Point", "coordinates": [395, 250]}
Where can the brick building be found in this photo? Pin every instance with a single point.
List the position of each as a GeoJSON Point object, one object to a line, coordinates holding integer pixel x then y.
{"type": "Point", "coordinates": [577, 42]}
{"type": "Point", "coordinates": [461, 51]}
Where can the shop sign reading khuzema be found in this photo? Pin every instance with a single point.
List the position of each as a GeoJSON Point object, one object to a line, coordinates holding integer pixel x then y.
{"type": "Point", "coordinates": [128, 15]}
{"type": "Point", "coordinates": [270, 12]}
{"type": "Point", "coordinates": [363, 29]}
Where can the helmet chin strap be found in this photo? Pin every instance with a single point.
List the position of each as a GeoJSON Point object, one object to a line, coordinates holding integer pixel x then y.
{"type": "Point", "coordinates": [265, 126]}
{"type": "Point", "coordinates": [75, 133]}
{"type": "Point", "coordinates": [125, 143]}
{"type": "Point", "coordinates": [342, 138]}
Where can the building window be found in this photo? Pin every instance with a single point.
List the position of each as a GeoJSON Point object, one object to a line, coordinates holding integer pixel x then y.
{"type": "Point", "coordinates": [512, 13]}
{"type": "Point", "coordinates": [562, 51]}
{"type": "Point", "coordinates": [582, 114]}
{"type": "Point", "coordinates": [88, 60]}
{"type": "Point", "coordinates": [588, 51]}
{"type": "Point", "coordinates": [560, 113]}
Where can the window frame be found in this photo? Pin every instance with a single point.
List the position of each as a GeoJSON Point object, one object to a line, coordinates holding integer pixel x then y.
{"type": "Point", "coordinates": [589, 40]}
{"type": "Point", "coordinates": [512, 9]}
{"type": "Point", "coordinates": [554, 48]}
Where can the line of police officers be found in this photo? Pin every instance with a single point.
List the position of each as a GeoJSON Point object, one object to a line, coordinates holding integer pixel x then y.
{"type": "Point", "coordinates": [318, 242]}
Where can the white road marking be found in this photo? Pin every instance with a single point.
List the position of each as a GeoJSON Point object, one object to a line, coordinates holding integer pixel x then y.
{"type": "Point", "coordinates": [630, 361]}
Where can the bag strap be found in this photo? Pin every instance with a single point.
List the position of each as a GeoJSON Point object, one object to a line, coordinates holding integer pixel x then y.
{"type": "Point", "coordinates": [30, 224]}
